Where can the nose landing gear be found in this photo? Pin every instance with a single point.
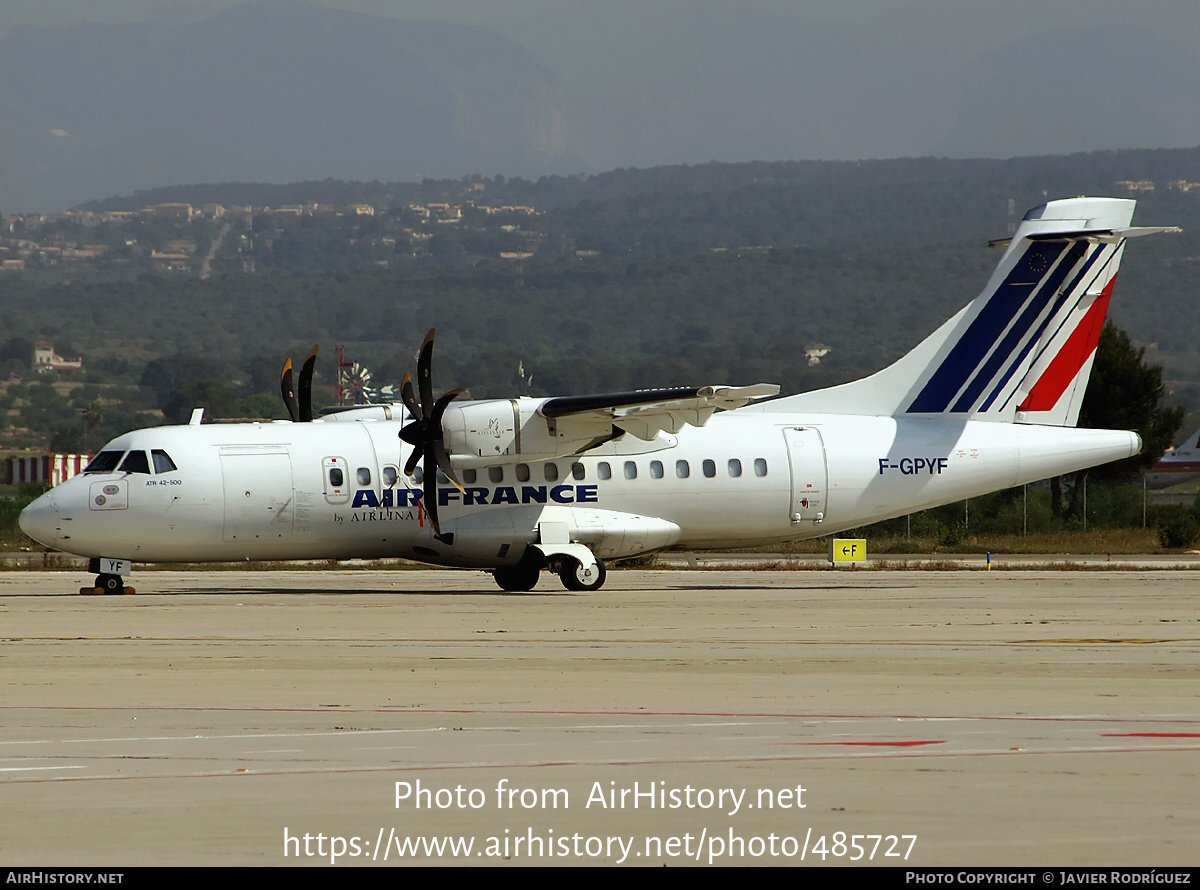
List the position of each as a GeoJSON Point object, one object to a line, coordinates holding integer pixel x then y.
{"type": "Point", "coordinates": [106, 583]}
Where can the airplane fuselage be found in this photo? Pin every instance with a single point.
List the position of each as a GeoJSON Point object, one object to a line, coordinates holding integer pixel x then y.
{"type": "Point", "coordinates": [265, 491]}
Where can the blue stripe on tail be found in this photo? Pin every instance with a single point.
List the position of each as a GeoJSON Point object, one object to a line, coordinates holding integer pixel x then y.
{"type": "Point", "coordinates": [971, 349]}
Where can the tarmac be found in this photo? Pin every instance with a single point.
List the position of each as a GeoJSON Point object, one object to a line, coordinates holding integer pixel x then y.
{"type": "Point", "coordinates": [676, 717]}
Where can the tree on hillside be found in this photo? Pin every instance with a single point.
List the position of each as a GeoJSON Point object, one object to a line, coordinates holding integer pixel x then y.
{"type": "Point", "coordinates": [1126, 393]}
{"type": "Point", "coordinates": [1123, 393]}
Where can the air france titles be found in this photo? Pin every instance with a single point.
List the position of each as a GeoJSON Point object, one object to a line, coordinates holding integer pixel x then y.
{"type": "Point", "coordinates": [481, 497]}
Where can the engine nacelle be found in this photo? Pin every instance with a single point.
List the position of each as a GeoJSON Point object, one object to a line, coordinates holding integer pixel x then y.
{"type": "Point", "coordinates": [477, 434]}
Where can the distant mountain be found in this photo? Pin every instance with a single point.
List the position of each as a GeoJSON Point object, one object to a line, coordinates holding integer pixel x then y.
{"type": "Point", "coordinates": [278, 91]}
{"type": "Point", "coordinates": [269, 91]}
{"type": "Point", "coordinates": [657, 82]}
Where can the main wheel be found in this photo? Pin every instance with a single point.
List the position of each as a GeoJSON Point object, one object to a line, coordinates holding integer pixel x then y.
{"type": "Point", "coordinates": [110, 583]}
{"type": "Point", "coordinates": [574, 577]}
{"type": "Point", "coordinates": [521, 577]}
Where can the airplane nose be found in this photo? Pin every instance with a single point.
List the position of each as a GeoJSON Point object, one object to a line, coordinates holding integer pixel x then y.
{"type": "Point", "coordinates": [40, 520]}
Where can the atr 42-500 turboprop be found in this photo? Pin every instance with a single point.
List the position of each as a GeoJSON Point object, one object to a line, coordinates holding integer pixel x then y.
{"type": "Point", "coordinates": [515, 486]}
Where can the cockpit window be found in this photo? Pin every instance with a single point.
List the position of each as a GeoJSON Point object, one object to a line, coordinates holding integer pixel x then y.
{"type": "Point", "coordinates": [105, 462]}
{"type": "Point", "coordinates": [135, 462]}
{"type": "Point", "coordinates": [162, 462]}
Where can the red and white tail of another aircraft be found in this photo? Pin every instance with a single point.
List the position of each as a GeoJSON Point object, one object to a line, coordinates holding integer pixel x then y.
{"type": "Point", "coordinates": [517, 486]}
{"type": "Point", "coordinates": [1177, 465]}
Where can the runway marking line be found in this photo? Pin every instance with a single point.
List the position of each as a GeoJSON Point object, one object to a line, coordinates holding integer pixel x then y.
{"type": "Point", "coordinates": [931, 718]}
{"type": "Point", "coordinates": [1153, 735]}
{"type": "Point", "coordinates": [475, 765]}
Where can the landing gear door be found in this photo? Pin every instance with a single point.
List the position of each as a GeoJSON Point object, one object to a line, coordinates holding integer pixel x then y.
{"type": "Point", "coordinates": [810, 477]}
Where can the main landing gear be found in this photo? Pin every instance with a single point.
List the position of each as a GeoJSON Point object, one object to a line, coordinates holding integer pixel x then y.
{"type": "Point", "coordinates": [575, 577]}
{"type": "Point", "coordinates": [525, 574]}
{"type": "Point", "coordinates": [521, 577]}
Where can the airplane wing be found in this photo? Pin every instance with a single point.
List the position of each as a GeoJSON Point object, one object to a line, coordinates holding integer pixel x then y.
{"type": "Point", "coordinates": [645, 413]}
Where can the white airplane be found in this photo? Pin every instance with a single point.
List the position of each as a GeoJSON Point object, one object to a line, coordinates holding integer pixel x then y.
{"type": "Point", "coordinates": [515, 486]}
{"type": "Point", "coordinates": [1177, 465]}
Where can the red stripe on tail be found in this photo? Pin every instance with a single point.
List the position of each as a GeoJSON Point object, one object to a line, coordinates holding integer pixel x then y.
{"type": "Point", "coordinates": [1071, 358]}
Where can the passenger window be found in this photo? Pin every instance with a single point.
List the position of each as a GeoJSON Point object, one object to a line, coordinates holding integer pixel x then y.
{"type": "Point", "coordinates": [682, 470]}
{"type": "Point", "coordinates": [522, 473]}
{"type": "Point", "coordinates": [105, 462]}
{"type": "Point", "coordinates": [364, 476]}
{"type": "Point", "coordinates": [336, 477]}
{"type": "Point", "coordinates": [630, 470]}
{"type": "Point", "coordinates": [603, 470]}
{"type": "Point", "coordinates": [656, 469]}
{"type": "Point", "coordinates": [577, 472]}
{"type": "Point", "coordinates": [390, 476]}
{"type": "Point", "coordinates": [735, 467]}
{"type": "Point", "coordinates": [496, 474]}
{"type": "Point", "coordinates": [551, 471]}
{"type": "Point", "coordinates": [418, 475]}
{"type": "Point", "coordinates": [135, 462]}
{"type": "Point", "coordinates": [162, 462]}
{"type": "Point", "coordinates": [710, 469]}
{"type": "Point", "coordinates": [441, 477]}
{"type": "Point", "coordinates": [760, 467]}
{"type": "Point", "coordinates": [469, 477]}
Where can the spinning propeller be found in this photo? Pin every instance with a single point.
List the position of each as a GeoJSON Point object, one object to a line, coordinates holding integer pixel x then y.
{"type": "Point", "coordinates": [425, 433]}
{"type": "Point", "coordinates": [299, 408]}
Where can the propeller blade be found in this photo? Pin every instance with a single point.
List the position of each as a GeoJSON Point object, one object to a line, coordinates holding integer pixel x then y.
{"type": "Point", "coordinates": [430, 496]}
{"type": "Point", "coordinates": [442, 459]}
{"type": "Point", "coordinates": [287, 388]}
{"type": "Point", "coordinates": [305, 393]}
{"type": "Point", "coordinates": [414, 434]}
{"type": "Point", "coordinates": [425, 374]}
{"type": "Point", "coordinates": [434, 421]}
{"type": "Point", "coordinates": [425, 434]}
{"type": "Point", "coordinates": [410, 400]}
{"type": "Point", "coordinates": [439, 449]}
{"type": "Point", "coordinates": [410, 466]}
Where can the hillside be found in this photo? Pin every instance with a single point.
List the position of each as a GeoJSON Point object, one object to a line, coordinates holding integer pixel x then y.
{"type": "Point", "coordinates": [626, 279]}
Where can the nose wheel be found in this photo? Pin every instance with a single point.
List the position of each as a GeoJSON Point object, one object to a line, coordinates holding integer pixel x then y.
{"type": "Point", "coordinates": [113, 584]}
{"type": "Point", "coordinates": [107, 583]}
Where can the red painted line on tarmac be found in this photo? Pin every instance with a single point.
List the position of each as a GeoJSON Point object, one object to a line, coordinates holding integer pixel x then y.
{"type": "Point", "coordinates": [444, 767]}
{"type": "Point", "coordinates": [877, 744]}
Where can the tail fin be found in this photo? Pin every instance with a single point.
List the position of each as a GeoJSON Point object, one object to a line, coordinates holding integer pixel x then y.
{"type": "Point", "coordinates": [1023, 349]}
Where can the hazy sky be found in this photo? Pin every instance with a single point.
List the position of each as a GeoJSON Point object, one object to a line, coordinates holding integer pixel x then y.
{"type": "Point", "coordinates": [1160, 15]}
{"type": "Point", "coordinates": [561, 86]}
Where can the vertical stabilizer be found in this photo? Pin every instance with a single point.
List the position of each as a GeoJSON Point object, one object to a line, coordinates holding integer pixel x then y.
{"type": "Point", "coordinates": [1023, 349]}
